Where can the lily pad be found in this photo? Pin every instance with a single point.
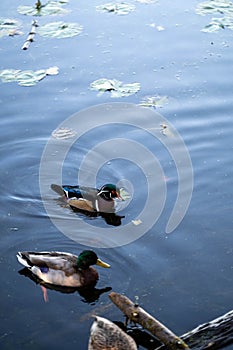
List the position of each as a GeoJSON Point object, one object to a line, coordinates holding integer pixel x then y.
{"type": "Point", "coordinates": [9, 27]}
{"type": "Point", "coordinates": [120, 8]}
{"type": "Point", "coordinates": [116, 87]}
{"type": "Point", "coordinates": [154, 101]}
{"type": "Point", "coordinates": [26, 77]}
{"type": "Point", "coordinates": [218, 23]}
{"type": "Point", "coordinates": [224, 7]}
{"type": "Point", "coordinates": [60, 30]}
{"type": "Point", "coordinates": [50, 8]}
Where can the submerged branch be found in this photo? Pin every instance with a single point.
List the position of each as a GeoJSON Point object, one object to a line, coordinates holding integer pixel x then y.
{"type": "Point", "coordinates": [212, 335]}
{"type": "Point", "coordinates": [136, 314]}
{"type": "Point", "coordinates": [31, 35]}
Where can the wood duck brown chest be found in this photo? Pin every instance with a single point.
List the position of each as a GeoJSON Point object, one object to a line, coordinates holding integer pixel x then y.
{"type": "Point", "coordinates": [88, 198]}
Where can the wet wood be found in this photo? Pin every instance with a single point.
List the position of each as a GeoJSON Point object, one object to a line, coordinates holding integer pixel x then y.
{"type": "Point", "coordinates": [212, 335]}
{"type": "Point", "coordinates": [138, 315]}
{"type": "Point", "coordinates": [31, 35]}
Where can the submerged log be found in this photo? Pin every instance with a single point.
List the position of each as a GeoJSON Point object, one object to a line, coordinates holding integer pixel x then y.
{"type": "Point", "coordinates": [136, 314]}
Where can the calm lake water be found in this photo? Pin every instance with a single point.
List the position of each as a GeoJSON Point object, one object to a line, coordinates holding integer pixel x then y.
{"type": "Point", "coordinates": [183, 278]}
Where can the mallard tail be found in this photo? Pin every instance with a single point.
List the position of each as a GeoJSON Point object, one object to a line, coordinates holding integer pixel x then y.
{"type": "Point", "coordinates": [23, 259]}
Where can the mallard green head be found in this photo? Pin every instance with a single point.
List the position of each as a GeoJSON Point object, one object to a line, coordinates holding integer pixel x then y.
{"type": "Point", "coordinates": [88, 258]}
{"type": "Point", "coordinates": [109, 192]}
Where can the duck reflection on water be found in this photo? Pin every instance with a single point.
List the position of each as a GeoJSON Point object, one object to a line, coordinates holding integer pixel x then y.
{"type": "Point", "coordinates": [89, 295]}
{"type": "Point", "coordinates": [64, 272]}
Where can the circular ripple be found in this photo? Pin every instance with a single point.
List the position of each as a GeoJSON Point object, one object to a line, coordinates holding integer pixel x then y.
{"type": "Point", "coordinates": [143, 119]}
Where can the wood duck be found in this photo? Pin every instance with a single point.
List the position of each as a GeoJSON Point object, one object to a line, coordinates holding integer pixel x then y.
{"type": "Point", "coordinates": [89, 199]}
{"type": "Point", "coordinates": [63, 269]}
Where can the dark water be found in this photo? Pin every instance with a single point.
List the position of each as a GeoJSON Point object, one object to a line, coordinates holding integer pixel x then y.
{"type": "Point", "coordinates": [184, 278]}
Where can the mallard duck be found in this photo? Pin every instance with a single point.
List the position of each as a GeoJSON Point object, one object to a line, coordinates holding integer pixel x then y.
{"type": "Point", "coordinates": [89, 199]}
{"type": "Point", "coordinates": [63, 269]}
{"type": "Point", "coordinates": [89, 294]}
{"type": "Point", "coordinates": [108, 336]}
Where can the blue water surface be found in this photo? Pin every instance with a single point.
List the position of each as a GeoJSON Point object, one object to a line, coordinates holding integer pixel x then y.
{"type": "Point", "coordinates": [183, 278]}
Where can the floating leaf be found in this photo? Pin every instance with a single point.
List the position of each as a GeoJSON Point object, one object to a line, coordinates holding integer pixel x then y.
{"type": "Point", "coordinates": [63, 133]}
{"type": "Point", "coordinates": [120, 8]}
{"type": "Point", "coordinates": [215, 6]}
{"type": "Point", "coordinates": [9, 27]}
{"type": "Point", "coordinates": [50, 8]}
{"type": "Point", "coordinates": [124, 194]}
{"type": "Point", "coordinates": [27, 77]}
{"type": "Point", "coordinates": [154, 101]}
{"type": "Point", "coordinates": [160, 28]}
{"type": "Point", "coordinates": [114, 86]}
{"type": "Point", "coordinates": [165, 130]}
{"type": "Point", "coordinates": [137, 222]}
{"type": "Point", "coordinates": [218, 23]}
{"type": "Point", "coordinates": [60, 29]}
